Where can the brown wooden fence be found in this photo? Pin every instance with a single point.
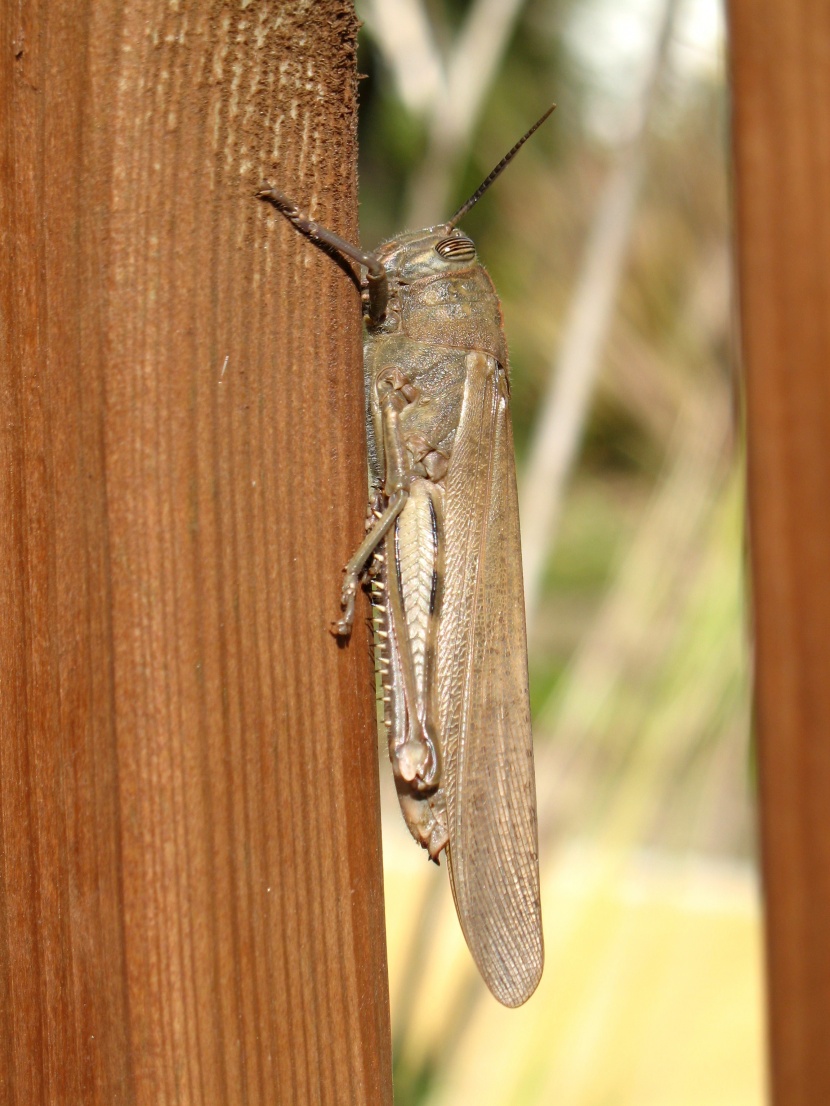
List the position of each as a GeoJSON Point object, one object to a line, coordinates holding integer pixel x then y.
{"type": "Point", "coordinates": [191, 904]}
{"type": "Point", "coordinates": [781, 89]}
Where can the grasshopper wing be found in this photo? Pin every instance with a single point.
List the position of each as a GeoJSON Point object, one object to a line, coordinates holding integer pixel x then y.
{"type": "Point", "coordinates": [484, 710]}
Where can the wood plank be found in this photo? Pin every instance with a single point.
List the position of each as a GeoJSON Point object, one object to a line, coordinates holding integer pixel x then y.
{"type": "Point", "coordinates": [780, 56]}
{"type": "Point", "coordinates": [191, 905]}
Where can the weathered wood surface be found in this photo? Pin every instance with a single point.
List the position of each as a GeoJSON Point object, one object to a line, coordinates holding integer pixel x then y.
{"type": "Point", "coordinates": [190, 891]}
{"type": "Point", "coordinates": [781, 86]}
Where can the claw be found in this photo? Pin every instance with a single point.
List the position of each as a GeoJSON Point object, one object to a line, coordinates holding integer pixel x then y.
{"type": "Point", "coordinates": [343, 626]}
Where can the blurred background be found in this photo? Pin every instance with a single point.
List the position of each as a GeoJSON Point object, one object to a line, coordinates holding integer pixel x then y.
{"type": "Point", "coordinates": [608, 240]}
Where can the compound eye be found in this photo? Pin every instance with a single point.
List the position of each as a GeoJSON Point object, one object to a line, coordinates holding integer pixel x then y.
{"type": "Point", "coordinates": [456, 248]}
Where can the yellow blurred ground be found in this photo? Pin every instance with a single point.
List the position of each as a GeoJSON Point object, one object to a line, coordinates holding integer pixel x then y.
{"type": "Point", "coordinates": [652, 992]}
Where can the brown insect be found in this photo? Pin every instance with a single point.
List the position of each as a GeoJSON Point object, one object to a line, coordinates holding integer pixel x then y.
{"type": "Point", "coordinates": [444, 560]}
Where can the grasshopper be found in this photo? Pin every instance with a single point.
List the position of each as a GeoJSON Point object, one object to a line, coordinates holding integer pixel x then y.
{"type": "Point", "coordinates": [444, 560]}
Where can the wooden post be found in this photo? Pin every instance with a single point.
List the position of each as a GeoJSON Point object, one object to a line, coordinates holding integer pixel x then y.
{"type": "Point", "coordinates": [191, 904]}
{"type": "Point", "coordinates": [781, 87]}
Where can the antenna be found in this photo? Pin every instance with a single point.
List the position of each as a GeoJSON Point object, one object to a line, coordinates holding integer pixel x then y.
{"type": "Point", "coordinates": [505, 161]}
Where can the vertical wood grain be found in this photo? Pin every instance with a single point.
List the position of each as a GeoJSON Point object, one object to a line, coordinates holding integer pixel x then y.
{"type": "Point", "coordinates": [781, 85]}
{"type": "Point", "coordinates": [190, 878]}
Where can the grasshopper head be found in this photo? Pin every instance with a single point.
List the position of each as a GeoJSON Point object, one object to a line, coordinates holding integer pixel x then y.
{"type": "Point", "coordinates": [425, 253]}
{"type": "Point", "coordinates": [441, 249]}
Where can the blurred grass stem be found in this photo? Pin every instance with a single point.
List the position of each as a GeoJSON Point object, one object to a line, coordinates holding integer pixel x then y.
{"type": "Point", "coordinates": [564, 409]}
{"type": "Point", "coordinates": [469, 75]}
{"type": "Point", "coordinates": [448, 93]}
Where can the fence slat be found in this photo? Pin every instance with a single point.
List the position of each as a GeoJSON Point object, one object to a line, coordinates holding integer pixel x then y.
{"type": "Point", "coordinates": [781, 85]}
{"type": "Point", "coordinates": [191, 905]}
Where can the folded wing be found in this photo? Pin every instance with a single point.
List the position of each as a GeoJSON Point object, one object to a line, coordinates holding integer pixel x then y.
{"type": "Point", "coordinates": [483, 706]}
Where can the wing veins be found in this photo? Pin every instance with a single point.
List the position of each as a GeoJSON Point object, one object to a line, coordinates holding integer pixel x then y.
{"type": "Point", "coordinates": [489, 781]}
